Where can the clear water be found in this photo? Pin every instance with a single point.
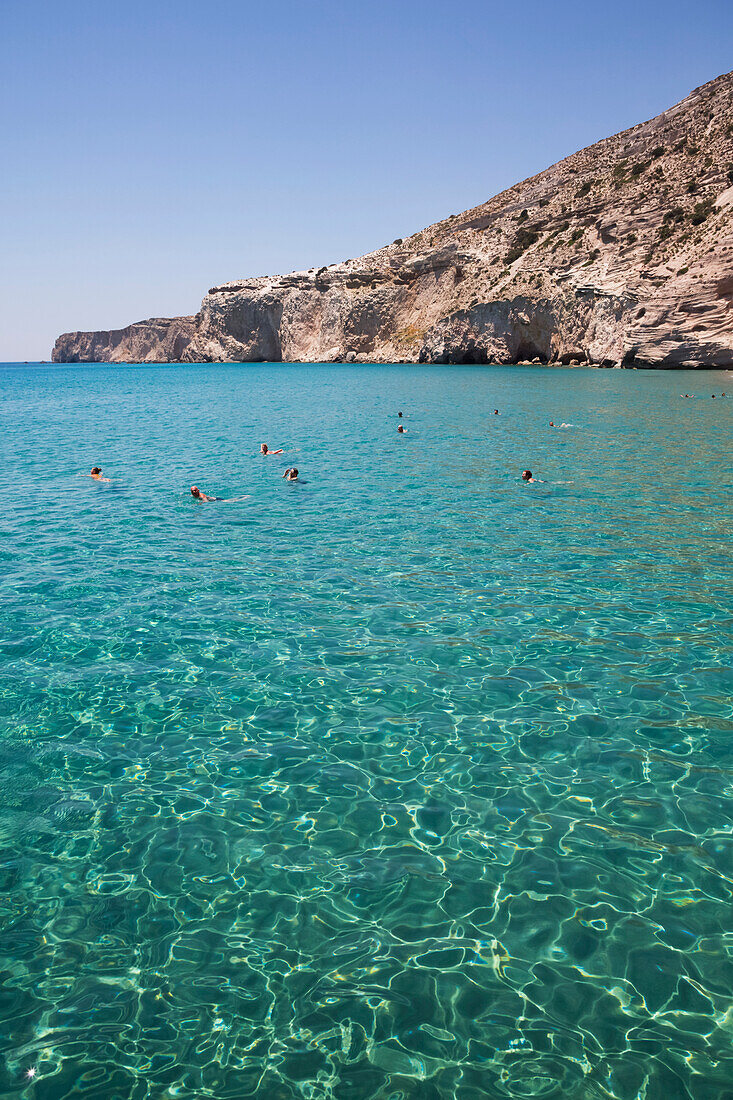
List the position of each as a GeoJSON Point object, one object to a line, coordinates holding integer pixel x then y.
{"type": "Point", "coordinates": [412, 781]}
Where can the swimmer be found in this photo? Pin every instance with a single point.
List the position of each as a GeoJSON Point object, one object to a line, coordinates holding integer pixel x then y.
{"type": "Point", "coordinates": [264, 450]}
{"type": "Point", "coordinates": [97, 475]}
{"type": "Point", "coordinates": [400, 415]}
{"type": "Point", "coordinates": [400, 428]}
{"type": "Point", "coordinates": [552, 423]}
{"type": "Point", "coordinates": [496, 412]}
{"type": "Point", "coordinates": [527, 476]}
{"type": "Point", "coordinates": [291, 474]}
{"type": "Point", "coordinates": [198, 495]}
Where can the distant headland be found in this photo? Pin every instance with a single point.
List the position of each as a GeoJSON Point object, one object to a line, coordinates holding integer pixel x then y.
{"type": "Point", "coordinates": [619, 255]}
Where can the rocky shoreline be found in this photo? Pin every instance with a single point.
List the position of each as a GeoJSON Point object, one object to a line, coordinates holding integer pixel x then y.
{"type": "Point", "coordinates": [619, 255]}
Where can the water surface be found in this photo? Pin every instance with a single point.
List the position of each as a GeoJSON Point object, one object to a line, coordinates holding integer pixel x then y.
{"type": "Point", "coordinates": [411, 781]}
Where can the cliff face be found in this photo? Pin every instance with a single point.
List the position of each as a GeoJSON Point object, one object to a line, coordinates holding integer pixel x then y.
{"type": "Point", "coordinates": [159, 340]}
{"type": "Point", "coordinates": [620, 254]}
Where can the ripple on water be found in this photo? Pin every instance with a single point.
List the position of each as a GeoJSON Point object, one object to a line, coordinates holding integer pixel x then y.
{"type": "Point", "coordinates": [414, 783]}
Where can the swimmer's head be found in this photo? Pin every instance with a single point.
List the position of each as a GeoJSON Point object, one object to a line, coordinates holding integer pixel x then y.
{"type": "Point", "coordinates": [96, 470]}
{"type": "Point", "coordinates": [526, 475]}
{"type": "Point", "coordinates": [293, 473]}
{"type": "Point", "coordinates": [496, 412]}
{"type": "Point", "coordinates": [195, 491]}
{"type": "Point", "coordinates": [399, 414]}
{"type": "Point", "coordinates": [400, 428]}
{"type": "Point", "coordinates": [263, 448]}
{"type": "Point", "coordinates": [552, 423]}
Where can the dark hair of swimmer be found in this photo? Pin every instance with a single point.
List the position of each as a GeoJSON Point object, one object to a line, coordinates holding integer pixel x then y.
{"type": "Point", "coordinates": [496, 412]}
{"type": "Point", "coordinates": [399, 414]}
{"type": "Point", "coordinates": [96, 470]}
{"type": "Point", "coordinates": [526, 475]}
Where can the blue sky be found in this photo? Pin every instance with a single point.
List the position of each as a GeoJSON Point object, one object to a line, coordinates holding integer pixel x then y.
{"type": "Point", "coordinates": [153, 149]}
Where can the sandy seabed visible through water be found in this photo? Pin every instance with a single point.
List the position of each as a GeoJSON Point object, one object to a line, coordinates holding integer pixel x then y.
{"type": "Point", "coordinates": [411, 780]}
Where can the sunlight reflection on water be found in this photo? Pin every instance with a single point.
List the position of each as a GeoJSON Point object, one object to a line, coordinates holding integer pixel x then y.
{"type": "Point", "coordinates": [411, 781]}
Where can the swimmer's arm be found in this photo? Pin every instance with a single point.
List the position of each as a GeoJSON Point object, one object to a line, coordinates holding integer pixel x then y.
{"type": "Point", "coordinates": [276, 452]}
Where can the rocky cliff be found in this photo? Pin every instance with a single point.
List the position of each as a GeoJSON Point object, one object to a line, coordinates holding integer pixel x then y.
{"type": "Point", "coordinates": [159, 340]}
{"type": "Point", "coordinates": [622, 254]}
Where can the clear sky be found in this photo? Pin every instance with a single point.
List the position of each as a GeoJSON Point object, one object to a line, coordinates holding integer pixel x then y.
{"type": "Point", "coordinates": [152, 149]}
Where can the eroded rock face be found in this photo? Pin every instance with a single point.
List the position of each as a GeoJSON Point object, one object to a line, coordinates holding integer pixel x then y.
{"type": "Point", "coordinates": [622, 254]}
{"type": "Point", "coordinates": [159, 340]}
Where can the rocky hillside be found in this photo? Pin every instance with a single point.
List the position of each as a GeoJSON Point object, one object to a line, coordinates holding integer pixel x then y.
{"type": "Point", "coordinates": [159, 340]}
{"type": "Point", "coordinates": [620, 254]}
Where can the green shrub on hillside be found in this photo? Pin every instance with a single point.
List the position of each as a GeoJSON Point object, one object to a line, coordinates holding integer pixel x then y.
{"type": "Point", "coordinates": [701, 211]}
{"type": "Point", "coordinates": [676, 214]}
{"type": "Point", "coordinates": [522, 241]}
{"type": "Point", "coordinates": [619, 174]}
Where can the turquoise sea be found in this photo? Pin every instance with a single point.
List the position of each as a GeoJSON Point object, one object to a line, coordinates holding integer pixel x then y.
{"type": "Point", "coordinates": [410, 781]}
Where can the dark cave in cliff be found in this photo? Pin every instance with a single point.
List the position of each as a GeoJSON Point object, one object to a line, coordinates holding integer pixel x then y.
{"type": "Point", "coordinates": [470, 355]}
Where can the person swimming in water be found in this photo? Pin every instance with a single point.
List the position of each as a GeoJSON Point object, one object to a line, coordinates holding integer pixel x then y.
{"type": "Point", "coordinates": [203, 498]}
{"type": "Point", "coordinates": [401, 428]}
{"type": "Point", "coordinates": [265, 450]}
{"type": "Point", "coordinates": [198, 495]}
{"type": "Point", "coordinates": [291, 473]}
{"type": "Point", "coordinates": [399, 415]}
{"type": "Point", "coordinates": [97, 475]}
{"type": "Point", "coordinates": [527, 476]}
